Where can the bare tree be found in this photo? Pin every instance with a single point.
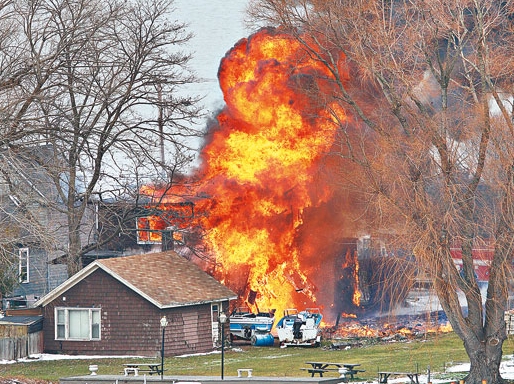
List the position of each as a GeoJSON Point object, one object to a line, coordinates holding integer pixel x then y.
{"type": "Point", "coordinates": [97, 84]}
{"type": "Point", "coordinates": [422, 93]}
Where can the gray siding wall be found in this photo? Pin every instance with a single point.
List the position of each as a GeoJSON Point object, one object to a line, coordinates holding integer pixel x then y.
{"type": "Point", "coordinates": [43, 276]}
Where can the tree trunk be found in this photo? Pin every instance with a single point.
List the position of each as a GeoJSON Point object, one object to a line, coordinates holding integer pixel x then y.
{"type": "Point", "coordinates": [74, 261]}
{"type": "Point", "coordinates": [485, 358]}
{"type": "Point", "coordinates": [483, 335]}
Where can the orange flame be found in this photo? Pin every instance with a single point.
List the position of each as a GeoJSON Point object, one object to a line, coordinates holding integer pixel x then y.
{"type": "Point", "coordinates": [271, 218]}
{"type": "Point", "coordinates": [443, 328]}
{"type": "Point", "coordinates": [260, 163]}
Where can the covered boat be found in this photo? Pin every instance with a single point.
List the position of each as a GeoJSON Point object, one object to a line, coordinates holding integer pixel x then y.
{"type": "Point", "coordinates": [255, 327]}
{"type": "Point", "coordinates": [300, 328]}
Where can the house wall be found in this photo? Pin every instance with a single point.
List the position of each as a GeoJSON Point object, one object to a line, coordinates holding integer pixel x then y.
{"type": "Point", "coordinates": [25, 183]}
{"type": "Point", "coordinates": [41, 275]}
{"type": "Point", "coordinates": [38, 271]}
{"type": "Point", "coordinates": [130, 325]}
{"type": "Point", "coordinates": [57, 274]}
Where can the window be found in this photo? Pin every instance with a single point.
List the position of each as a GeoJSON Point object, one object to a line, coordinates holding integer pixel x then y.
{"type": "Point", "coordinates": [149, 229]}
{"type": "Point", "coordinates": [77, 324]}
{"type": "Point", "coordinates": [23, 269]}
{"type": "Point", "coordinates": [214, 312]}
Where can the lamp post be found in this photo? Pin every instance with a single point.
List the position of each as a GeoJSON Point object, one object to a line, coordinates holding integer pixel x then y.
{"type": "Point", "coordinates": [223, 320]}
{"type": "Point", "coordinates": [164, 324]}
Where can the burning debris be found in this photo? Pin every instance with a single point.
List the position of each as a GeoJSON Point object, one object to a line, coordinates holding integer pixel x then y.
{"type": "Point", "coordinates": [356, 333]}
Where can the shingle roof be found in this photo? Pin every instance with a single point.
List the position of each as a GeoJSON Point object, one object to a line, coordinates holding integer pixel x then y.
{"type": "Point", "coordinates": [165, 279]}
{"type": "Point", "coordinates": [20, 320]}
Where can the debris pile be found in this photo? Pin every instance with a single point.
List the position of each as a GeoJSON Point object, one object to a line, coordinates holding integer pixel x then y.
{"type": "Point", "coordinates": [356, 333]}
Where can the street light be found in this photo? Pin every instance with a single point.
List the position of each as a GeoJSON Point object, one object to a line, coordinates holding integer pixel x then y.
{"type": "Point", "coordinates": [164, 324]}
{"type": "Point", "coordinates": [223, 320]}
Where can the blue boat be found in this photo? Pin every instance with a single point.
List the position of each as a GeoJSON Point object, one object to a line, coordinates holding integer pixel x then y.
{"type": "Point", "coordinates": [255, 327]}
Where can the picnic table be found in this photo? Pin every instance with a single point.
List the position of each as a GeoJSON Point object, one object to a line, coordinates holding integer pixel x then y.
{"type": "Point", "coordinates": [136, 368]}
{"type": "Point", "coordinates": [344, 369]}
{"type": "Point", "coordinates": [413, 376]}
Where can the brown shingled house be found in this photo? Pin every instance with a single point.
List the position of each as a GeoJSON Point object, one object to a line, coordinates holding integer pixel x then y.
{"type": "Point", "coordinates": [114, 307]}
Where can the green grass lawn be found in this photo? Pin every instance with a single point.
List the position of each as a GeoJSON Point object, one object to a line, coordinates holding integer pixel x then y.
{"type": "Point", "coordinates": [437, 351]}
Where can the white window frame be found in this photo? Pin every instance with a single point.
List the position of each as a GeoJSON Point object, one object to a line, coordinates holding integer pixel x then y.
{"type": "Point", "coordinates": [23, 265]}
{"type": "Point", "coordinates": [93, 313]}
{"type": "Point", "coordinates": [215, 311]}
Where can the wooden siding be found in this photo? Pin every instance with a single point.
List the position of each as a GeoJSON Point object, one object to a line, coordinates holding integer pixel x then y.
{"type": "Point", "coordinates": [130, 325]}
{"type": "Point", "coordinates": [24, 312]}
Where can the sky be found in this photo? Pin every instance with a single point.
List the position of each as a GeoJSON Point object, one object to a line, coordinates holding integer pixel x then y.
{"type": "Point", "coordinates": [217, 25]}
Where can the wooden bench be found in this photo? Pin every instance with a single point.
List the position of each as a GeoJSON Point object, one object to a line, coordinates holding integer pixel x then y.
{"type": "Point", "coordinates": [356, 371]}
{"type": "Point", "coordinates": [247, 370]}
{"type": "Point", "coordinates": [152, 371]}
{"type": "Point", "coordinates": [319, 371]}
{"type": "Point", "coordinates": [138, 368]}
{"type": "Point", "coordinates": [384, 376]}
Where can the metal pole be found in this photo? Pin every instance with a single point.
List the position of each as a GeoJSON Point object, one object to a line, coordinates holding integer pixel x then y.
{"type": "Point", "coordinates": [222, 349]}
{"type": "Point", "coordinates": [162, 352]}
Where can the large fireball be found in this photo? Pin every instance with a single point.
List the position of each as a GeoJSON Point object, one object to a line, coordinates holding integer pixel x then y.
{"type": "Point", "coordinates": [272, 221]}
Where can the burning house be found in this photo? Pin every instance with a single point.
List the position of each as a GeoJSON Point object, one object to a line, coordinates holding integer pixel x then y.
{"type": "Point", "coordinates": [262, 213]}
{"type": "Point", "coordinates": [265, 213]}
